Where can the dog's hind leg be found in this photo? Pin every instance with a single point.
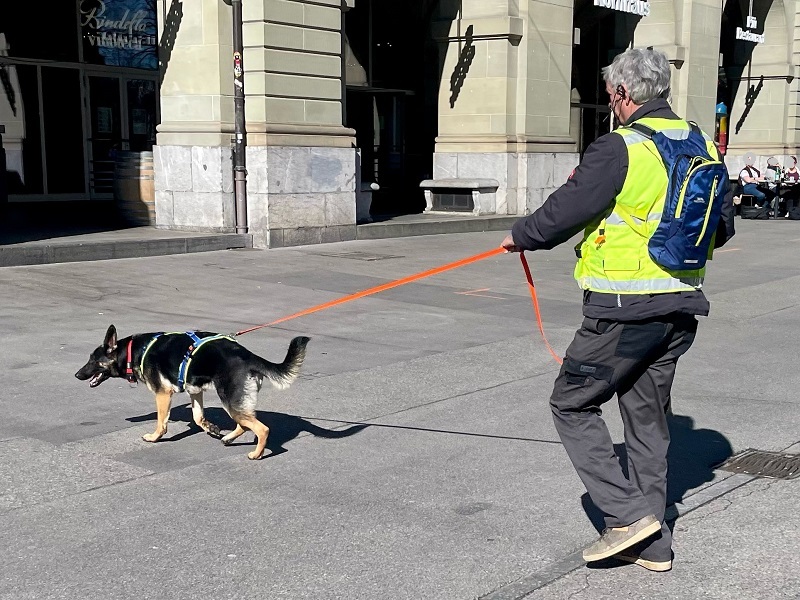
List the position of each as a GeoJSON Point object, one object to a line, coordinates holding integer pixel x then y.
{"type": "Point", "coordinates": [233, 434]}
{"type": "Point", "coordinates": [163, 401]}
{"type": "Point", "coordinates": [239, 399]}
{"type": "Point", "coordinates": [199, 416]}
{"type": "Point", "coordinates": [258, 428]}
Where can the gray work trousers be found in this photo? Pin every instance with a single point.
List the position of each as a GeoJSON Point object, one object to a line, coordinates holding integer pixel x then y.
{"type": "Point", "coordinates": [636, 361]}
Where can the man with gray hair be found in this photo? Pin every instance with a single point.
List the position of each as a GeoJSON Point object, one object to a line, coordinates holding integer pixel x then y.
{"type": "Point", "coordinates": [639, 317]}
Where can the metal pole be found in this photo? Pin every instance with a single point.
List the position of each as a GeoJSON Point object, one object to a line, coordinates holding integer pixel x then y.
{"type": "Point", "coordinates": [240, 132]}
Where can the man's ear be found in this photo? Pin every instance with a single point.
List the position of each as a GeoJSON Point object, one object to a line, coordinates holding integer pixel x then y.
{"type": "Point", "coordinates": [111, 339]}
{"type": "Point", "coordinates": [626, 97]}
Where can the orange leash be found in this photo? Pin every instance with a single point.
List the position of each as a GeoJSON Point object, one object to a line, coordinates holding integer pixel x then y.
{"type": "Point", "coordinates": [381, 288]}
{"type": "Point", "coordinates": [409, 279]}
{"type": "Point", "coordinates": [535, 300]}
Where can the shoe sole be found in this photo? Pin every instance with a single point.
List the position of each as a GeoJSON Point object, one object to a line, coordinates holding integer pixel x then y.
{"type": "Point", "coordinates": [645, 533]}
{"type": "Point", "coordinates": [650, 565]}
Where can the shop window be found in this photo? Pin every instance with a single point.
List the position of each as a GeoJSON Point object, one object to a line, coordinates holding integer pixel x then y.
{"type": "Point", "coordinates": [142, 100]}
{"type": "Point", "coordinates": [120, 33]}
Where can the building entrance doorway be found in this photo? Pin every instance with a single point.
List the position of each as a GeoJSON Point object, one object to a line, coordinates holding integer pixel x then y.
{"type": "Point", "coordinates": [391, 96]}
{"type": "Point", "coordinates": [600, 34]}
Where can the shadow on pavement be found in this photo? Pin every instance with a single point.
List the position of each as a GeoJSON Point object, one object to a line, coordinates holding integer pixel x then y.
{"type": "Point", "coordinates": [31, 221]}
{"type": "Point", "coordinates": [693, 455]}
{"type": "Point", "coordinates": [283, 428]}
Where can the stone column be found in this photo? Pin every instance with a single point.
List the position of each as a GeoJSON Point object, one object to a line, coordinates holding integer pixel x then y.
{"type": "Point", "coordinates": [300, 159]}
{"type": "Point", "coordinates": [792, 8]}
{"type": "Point", "coordinates": [504, 98]}
{"type": "Point", "coordinates": [192, 158]}
{"type": "Point", "coordinates": [688, 32]}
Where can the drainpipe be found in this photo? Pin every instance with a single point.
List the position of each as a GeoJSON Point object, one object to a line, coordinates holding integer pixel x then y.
{"type": "Point", "coordinates": [239, 132]}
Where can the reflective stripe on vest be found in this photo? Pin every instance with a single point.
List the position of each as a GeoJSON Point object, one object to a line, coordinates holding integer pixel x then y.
{"type": "Point", "coordinates": [676, 134]}
{"type": "Point", "coordinates": [640, 286]}
{"type": "Point", "coordinates": [615, 219]}
{"type": "Point", "coordinates": [614, 257]}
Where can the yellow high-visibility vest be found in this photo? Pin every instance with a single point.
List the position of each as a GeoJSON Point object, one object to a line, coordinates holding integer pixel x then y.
{"type": "Point", "coordinates": [613, 252]}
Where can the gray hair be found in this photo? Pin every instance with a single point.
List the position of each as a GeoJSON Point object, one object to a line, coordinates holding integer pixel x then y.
{"type": "Point", "coordinates": [644, 71]}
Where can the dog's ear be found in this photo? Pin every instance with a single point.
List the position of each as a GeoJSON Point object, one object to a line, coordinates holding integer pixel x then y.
{"type": "Point", "coordinates": [111, 339]}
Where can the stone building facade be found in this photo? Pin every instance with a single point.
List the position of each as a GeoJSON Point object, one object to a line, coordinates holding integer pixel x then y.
{"type": "Point", "coordinates": [347, 99]}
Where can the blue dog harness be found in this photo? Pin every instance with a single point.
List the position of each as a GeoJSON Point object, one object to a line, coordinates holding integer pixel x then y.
{"type": "Point", "coordinates": [197, 342]}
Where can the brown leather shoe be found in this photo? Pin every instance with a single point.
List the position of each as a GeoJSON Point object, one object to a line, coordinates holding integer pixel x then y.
{"type": "Point", "coordinates": [617, 539]}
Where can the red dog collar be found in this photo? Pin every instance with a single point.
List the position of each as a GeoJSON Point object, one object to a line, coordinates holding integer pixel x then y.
{"type": "Point", "coordinates": [129, 375]}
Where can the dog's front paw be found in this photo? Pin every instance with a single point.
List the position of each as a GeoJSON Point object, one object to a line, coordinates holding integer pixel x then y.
{"type": "Point", "coordinates": [254, 455]}
{"type": "Point", "coordinates": [152, 437]}
{"type": "Point", "coordinates": [213, 430]}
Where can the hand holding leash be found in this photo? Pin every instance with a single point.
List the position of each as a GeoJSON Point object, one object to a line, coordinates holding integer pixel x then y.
{"type": "Point", "coordinates": [509, 246]}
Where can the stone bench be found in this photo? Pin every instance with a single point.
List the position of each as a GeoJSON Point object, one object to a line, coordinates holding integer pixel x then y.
{"type": "Point", "coordinates": [457, 194]}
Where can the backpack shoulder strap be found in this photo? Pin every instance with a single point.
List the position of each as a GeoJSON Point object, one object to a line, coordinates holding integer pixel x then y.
{"type": "Point", "coordinates": [646, 131]}
{"type": "Point", "coordinates": [649, 132]}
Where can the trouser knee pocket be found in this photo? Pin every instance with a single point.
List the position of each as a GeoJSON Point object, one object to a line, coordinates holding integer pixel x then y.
{"type": "Point", "coordinates": [582, 384]}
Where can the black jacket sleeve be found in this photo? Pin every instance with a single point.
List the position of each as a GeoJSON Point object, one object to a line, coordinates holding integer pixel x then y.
{"type": "Point", "coordinates": [587, 196]}
{"type": "Point", "coordinates": [725, 228]}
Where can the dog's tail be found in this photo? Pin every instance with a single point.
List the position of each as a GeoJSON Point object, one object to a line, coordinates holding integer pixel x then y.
{"type": "Point", "coordinates": [284, 374]}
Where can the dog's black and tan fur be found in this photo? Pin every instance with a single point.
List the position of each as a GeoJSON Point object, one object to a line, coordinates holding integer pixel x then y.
{"type": "Point", "coordinates": [234, 371]}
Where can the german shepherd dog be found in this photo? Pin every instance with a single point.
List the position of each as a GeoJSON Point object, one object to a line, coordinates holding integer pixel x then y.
{"type": "Point", "coordinates": [159, 361]}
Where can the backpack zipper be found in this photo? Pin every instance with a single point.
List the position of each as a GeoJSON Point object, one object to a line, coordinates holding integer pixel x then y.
{"type": "Point", "coordinates": [708, 211]}
{"type": "Point", "coordinates": [693, 166]}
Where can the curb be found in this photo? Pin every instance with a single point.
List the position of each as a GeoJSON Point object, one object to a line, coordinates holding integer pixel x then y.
{"type": "Point", "coordinates": [60, 252]}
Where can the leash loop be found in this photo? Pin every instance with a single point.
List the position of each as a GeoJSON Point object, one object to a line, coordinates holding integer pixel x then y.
{"type": "Point", "coordinates": [535, 300]}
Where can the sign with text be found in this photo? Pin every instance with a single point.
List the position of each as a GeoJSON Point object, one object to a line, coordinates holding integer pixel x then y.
{"type": "Point", "coordinates": [747, 34]}
{"type": "Point", "coordinates": [634, 7]}
{"type": "Point", "coordinates": [120, 32]}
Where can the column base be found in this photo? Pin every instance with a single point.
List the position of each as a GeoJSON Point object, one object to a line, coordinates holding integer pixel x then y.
{"type": "Point", "coordinates": [295, 195]}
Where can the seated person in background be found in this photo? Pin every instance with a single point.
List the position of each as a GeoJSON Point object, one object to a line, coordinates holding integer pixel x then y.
{"type": "Point", "coordinates": [791, 178]}
{"type": "Point", "coordinates": [749, 178]}
{"type": "Point", "coordinates": [792, 175]}
{"type": "Point", "coordinates": [772, 174]}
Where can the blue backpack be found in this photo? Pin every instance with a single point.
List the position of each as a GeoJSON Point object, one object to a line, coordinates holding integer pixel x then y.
{"type": "Point", "coordinates": [695, 194]}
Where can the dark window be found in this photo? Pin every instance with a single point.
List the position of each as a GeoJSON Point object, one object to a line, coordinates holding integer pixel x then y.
{"type": "Point", "coordinates": [49, 32]}
{"type": "Point", "coordinates": [61, 96]}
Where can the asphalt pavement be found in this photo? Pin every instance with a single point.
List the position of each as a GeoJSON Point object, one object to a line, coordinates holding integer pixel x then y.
{"type": "Point", "coordinates": [415, 458]}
